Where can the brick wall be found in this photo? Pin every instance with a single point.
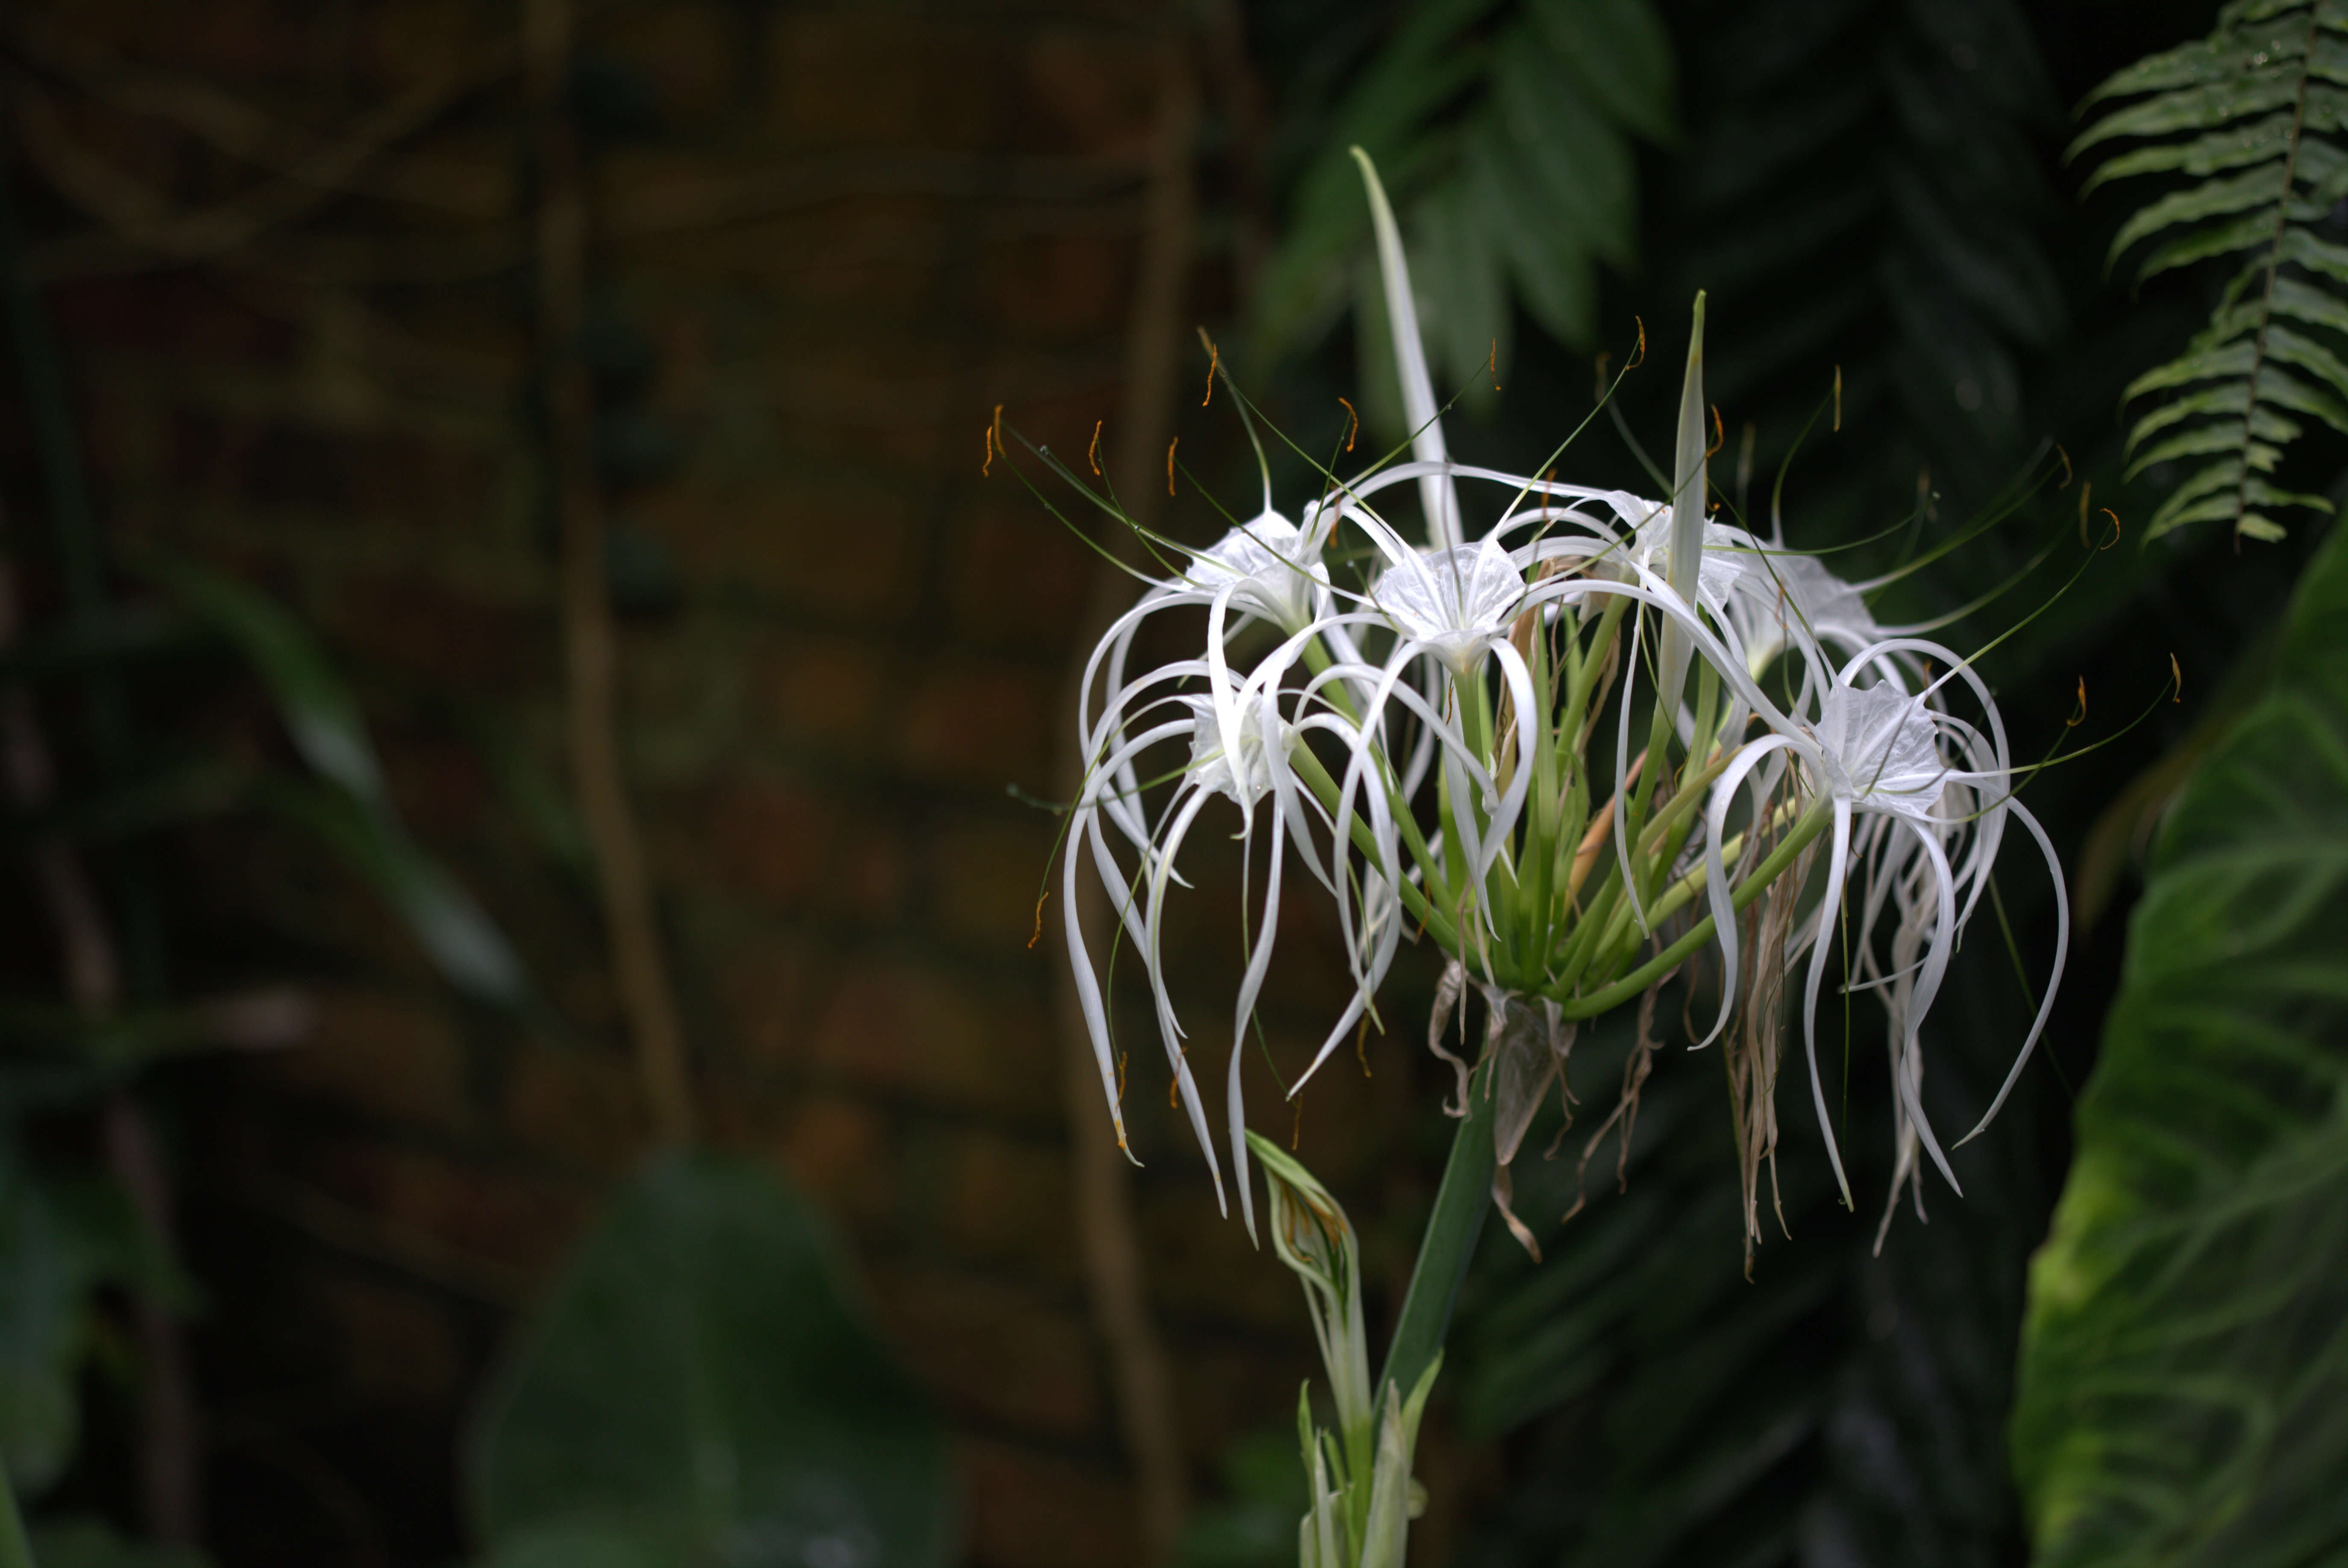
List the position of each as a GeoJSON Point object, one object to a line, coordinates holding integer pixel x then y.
{"type": "Point", "coordinates": [828, 239]}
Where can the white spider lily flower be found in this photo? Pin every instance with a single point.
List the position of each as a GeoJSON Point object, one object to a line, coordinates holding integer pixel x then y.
{"type": "Point", "coordinates": [1785, 601]}
{"type": "Point", "coordinates": [1242, 734]}
{"type": "Point", "coordinates": [1919, 801]}
{"type": "Point", "coordinates": [1267, 568]}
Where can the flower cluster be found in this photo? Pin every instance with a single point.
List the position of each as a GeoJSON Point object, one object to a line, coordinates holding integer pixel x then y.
{"type": "Point", "coordinates": [1429, 745]}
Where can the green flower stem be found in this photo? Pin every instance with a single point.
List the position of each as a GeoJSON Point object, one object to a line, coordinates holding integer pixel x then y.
{"type": "Point", "coordinates": [1460, 1205]}
{"type": "Point", "coordinates": [1317, 659]}
{"type": "Point", "coordinates": [1813, 823]}
{"type": "Point", "coordinates": [1309, 769]}
{"type": "Point", "coordinates": [1658, 846]}
{"type": "Point", "coordinates": [15, 1551]}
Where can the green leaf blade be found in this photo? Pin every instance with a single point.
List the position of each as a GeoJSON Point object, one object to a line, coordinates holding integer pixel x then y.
{"type": "Point", "coordinates": [2184, 1388]}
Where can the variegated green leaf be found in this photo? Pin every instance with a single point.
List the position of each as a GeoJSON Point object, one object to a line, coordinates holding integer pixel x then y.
{"type": "Point", "coordinates": [2183, 1389]}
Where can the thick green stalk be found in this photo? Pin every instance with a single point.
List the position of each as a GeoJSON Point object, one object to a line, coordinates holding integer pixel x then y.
{"type": "Point", "coordinates": [1316, 658]}
{"type": "Point", "coordinates": [1812, 823]}
{"type": "Point", "coordinates": [1308, 768]}
{"type": "Point", "coordinates": [1460, 1205]}
{"type": "Point", "coordinates": [15, 1551]}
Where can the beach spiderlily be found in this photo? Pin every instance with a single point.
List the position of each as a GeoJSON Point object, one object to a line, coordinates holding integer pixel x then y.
{"type": "Point", "coordinates": [1443, 745]}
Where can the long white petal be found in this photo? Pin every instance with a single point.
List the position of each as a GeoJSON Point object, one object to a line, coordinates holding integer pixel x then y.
{"type": "Point", "coordinates": [1836, 860]}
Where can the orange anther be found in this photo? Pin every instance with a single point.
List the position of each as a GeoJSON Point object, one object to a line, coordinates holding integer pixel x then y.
{"type": "Point", "coordinates": [1353, 423]}
{"type": "Point", "coordinates": [1170, 463]}
{"type": "Point", "coordinates": [1093, 455]}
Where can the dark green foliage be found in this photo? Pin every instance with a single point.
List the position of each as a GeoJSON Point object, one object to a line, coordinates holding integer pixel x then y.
{"type": "Point", "coordinates": [2257, 116]}
{"type": "Point", "coordinates": [2184, 1384]}
{"type": "Point", "coordinates": [1504, 133]}
{"type": "Point", "coordinates": [1862, 192]}
{"type": "Point", "coordinates": [93, 1543]}
{"type": "Point", "coordinates": [698, 1389]}
{"type": "Point", "coordinates": [1861, 187]}
{"type": "Point", "coordinates": [347, 806]}
{"type": "Point", "coordinates": [61, 1239]}
{"type": "Point", "coordinates": [1660, 1407]}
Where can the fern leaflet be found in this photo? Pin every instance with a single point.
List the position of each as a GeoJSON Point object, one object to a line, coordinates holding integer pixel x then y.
{"type": "Point", "coordinates": [2257, 116]}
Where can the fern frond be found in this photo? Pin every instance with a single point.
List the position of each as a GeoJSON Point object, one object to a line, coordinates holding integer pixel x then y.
{"type": "Point", "coordinates": [1505, 130]}
{"type": "Point", "coordinates": [2256, 115]}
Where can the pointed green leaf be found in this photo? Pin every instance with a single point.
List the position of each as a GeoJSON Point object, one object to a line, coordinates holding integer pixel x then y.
{"type": "Point", "coordinates": [2229, 146]}
{"type": "Point", "coordinates": [2253, 232]}
{"type": "Point", "coordinates": [2223, 400]}
{"type": "Point", "coordinates": [2203, 63]}
{"type": "Point", "coordinates": [2226, 436]}
{"type": "Point", "coordinates": [2232, 361]}
{"type": "Point", "coordinates": [2258, 89]}
{"type": "Point", "coordinates": [2318, 256]}
{"type": "Point", "coordinates": [2304, 302]}
{"type": "Point", "coordinates": [2286, 345]}
{"type": "Point", "coordinates": [463, 943]}
{"type": "Point", "coordinates": [319, 713]}
{"type": "Point", "coordinates": [1620, 51]}
{"type": "Point", "coordinates": [2256, 492]}
{"type": "Point", "coordinates": [2259, 188]}
{"type": "Point", "coordinates": [1546, 255]}
{"type": "Point", "coordinates": [2279, 386]}
{"type": "Point", "coordinates": [2224, 507]}
{"type": "Point", "coordinates": [1566, 152]}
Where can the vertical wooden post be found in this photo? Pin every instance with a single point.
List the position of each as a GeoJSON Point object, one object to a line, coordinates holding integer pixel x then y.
{"type": "Point", "coordinates": [590, 654]}
{"type": "Point", "coordinates": [1140, 1374]}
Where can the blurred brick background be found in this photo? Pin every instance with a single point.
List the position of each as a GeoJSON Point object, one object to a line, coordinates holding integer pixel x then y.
{"type": "Point", "coordinates": [827, 239]}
